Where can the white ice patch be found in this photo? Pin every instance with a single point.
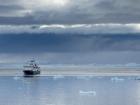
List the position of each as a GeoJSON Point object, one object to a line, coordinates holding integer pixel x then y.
{"type": "Point", "coordinates": [137, 78]}
{"type": "Point", "coordinates": [87, 93]}
{"type": "Point", "coordinates": [58, 77]}
{"type": "Point", "coordinates": [117, 79]}
{"type": "Point", "coordinates": [16, 78]}
{"type": "Point", "coordinates": [84, 77]}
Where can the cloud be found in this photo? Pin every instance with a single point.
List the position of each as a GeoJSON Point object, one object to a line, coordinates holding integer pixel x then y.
{"type": "Point", "coordinates": [7, 8]}
{"type": "Point", "coordinates": [101, 59]}
{"type": "Point", "coordinates": [69, 38]}
{"type": "Point", "coordinates": [10, 10]}
{"type": "Point", "coordinates": [106, 31]}
{"type": "Point", "coordinates": [71, 11]}
{"type": "Point", "coordinates": [67, 43]}
{"type": "Point", "coordinates": [75, 28]}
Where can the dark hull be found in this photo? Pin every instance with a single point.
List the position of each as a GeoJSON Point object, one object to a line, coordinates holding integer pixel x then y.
{"type": "Point", "coordinates": [30, 72]}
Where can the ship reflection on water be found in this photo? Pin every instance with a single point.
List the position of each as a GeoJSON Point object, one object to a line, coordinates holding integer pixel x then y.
{"type": "Point", "coordinates": [72, 90]}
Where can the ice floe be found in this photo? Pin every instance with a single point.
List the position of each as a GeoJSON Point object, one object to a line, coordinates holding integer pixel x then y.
{"type": "Point", "coordinates": [87, 93]}
{"type": "Point", "coordinates": [117, 79]}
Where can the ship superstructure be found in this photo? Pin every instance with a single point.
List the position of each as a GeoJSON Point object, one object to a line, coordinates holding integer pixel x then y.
{"type": "Point", "coordinates": [31, 68]}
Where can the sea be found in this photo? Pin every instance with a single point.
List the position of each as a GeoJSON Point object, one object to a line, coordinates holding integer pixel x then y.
{"type": "Point", "coordinates": [70, 90]}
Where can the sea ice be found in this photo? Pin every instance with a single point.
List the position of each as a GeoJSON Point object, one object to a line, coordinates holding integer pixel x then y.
{"type": "Point", "coordinates": [87, 93]}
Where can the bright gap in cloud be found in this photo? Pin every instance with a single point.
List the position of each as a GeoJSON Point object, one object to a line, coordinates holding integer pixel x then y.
{"type": "Point", "coordinates": [75, 28]}
{"type": "Point", "coordinates": [136, 27]}
{"type": "Point", "coordinates": [55, 4]}
{"type": "Point", "coordinates": [59, 2]}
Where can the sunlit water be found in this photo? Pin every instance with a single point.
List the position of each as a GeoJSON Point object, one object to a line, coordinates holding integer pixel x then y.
{"type": "Point", "coordinates": [73, 90]}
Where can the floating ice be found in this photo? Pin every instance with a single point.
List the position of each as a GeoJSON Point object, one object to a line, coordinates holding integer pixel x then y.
{"type": "Point", "coordinates": [89, 93]}
{"type": "Point", "coordinates": [16, 78]}
{"type": "Point", "coordinates": [137, 78]}
{"type": "Point", "coordinates": [117, 79]}
{"type": "Point", "coordinates": [84, 77]}
{"type": "Point", "coordinates": [58, 77]}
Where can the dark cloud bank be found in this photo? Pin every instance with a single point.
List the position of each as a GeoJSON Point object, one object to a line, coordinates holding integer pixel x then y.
{"type": "Point", "coordinates": [50, 42]}
{"type": "Point", "coordinates": [72, 12]}
{"type": "Point", "coordinates": [50, 48]}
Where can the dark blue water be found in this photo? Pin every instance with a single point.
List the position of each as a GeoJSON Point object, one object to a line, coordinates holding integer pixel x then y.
{"type": "Point", "coordinates": [59, 90]}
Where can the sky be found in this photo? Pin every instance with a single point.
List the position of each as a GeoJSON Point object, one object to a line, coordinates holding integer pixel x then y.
{"type": "Point", "coordinates": [69, 11]}
{"type": "Point", "coordinates": [75, 32]}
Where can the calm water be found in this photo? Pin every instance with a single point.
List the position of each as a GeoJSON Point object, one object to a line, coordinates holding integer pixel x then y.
{"type": "Point", "coordinates": [59, 90]}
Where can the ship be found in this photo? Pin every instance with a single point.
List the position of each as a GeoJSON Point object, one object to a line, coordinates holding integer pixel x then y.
{"type": "Point", "coordinates": [31, 68]}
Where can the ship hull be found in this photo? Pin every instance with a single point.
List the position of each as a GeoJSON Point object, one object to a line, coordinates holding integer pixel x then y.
{"type": "Point", "coordinates": [30, 72]}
